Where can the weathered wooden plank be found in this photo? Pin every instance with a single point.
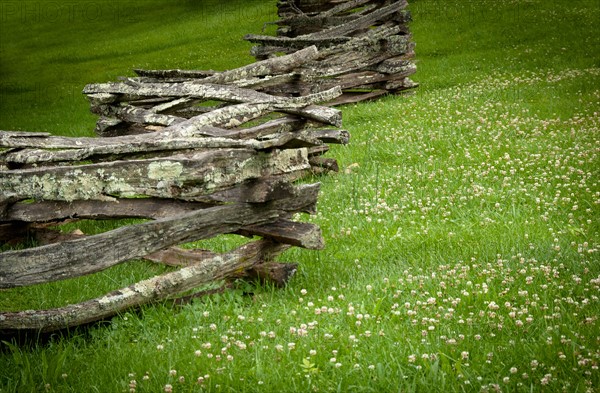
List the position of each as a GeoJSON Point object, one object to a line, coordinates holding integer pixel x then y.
{"type": "Point", "coordinates": [27, 134]}
{"type": "Point", "coordinates": [134, 114]}
{"type": "Point", "coordinates": [237, 115]}
{"type": "Point", "coordinates": [13, 139]}
{"type": "Point", "coordinates": [356, 55]}
{"type": "Point", "coordinates": [250, 191]}
{"type": "Point", "coordinates": [353, 80]}
{"type": "Point", "coordinates": [360, 23]}
{"type": "Point", "coordinates": [102, 98]}
{"type": "Point", "coordinates": [359, 53]}
{"type": "Point", "coordinates": [364, 80]}
{"type": "Point", "coordinates": [298, 234]}
{"type": "Point", "coordinates": [46, 211]}
{"type": "Point", "coordinates": [157, 144]}
{"type": "Point", "coordinates": [302, 24]}
{"type": "Point", "coordinates": [94, 253]}
{"type": "Point", "coordinates": [391, 83]}
{"type": "Point", "coordinates": [304, 105]}
{"type": "Point", "coordinates": [271, 272]}
{"type": "Point", "coordinates": [229, 116]}
{"type": "Point", "coordinates": [180, 177]}
{"type": "Point", "coordinates": [320, 114]}
{"type": "Point", "coordinates": [194, 89]}
{"type": "Point", "coordinates": [144, 292]}
{"type": "Point", "coordinates": [206, 91]}
{"type": "Point", "coordinates": [257, 190]}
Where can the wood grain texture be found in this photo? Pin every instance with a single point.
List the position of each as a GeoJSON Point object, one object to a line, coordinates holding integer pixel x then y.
{"type": "Point", "coordinates": [187, 177]}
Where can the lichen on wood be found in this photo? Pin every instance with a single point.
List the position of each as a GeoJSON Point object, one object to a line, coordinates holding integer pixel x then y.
{"type": "Point", "coordinates": [79, 257]}
{"type": "Point", "coordinates": [353, 36]}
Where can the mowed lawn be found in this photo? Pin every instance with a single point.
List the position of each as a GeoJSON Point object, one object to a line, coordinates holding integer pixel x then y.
{"type": "Point", "coordinates": [462, 233]}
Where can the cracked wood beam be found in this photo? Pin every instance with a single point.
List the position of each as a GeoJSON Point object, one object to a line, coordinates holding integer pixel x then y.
{"type": "Point", "coordinates": [59, 149]}
{"type": "Point", "coordinates": [181, 177]}
{"type": "Point", "coordinates": [250, 191]}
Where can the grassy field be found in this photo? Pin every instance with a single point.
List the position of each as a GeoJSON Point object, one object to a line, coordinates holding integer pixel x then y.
{"type": "Point", "coordinates": [462, 249]}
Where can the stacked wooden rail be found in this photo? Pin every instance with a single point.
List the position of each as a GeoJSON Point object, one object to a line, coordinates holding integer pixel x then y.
{"type": "Point", "coordinates": [364, 46]}
{"type": "Point", "coordinates": [196, 157]}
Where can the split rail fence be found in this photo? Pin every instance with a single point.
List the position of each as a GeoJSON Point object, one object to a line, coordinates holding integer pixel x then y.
{"type": "Point", "coordinates": [365, 47]}
{"type": "Point", "coordinates": [197, 154]}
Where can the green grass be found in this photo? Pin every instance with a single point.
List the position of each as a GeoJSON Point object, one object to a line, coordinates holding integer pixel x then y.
{"type": "Point", "coordinates": [51, 51]}
{"type": "Point", "coordinates": [462, 250]}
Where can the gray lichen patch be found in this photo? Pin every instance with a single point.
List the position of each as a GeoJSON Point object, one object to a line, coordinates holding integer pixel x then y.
{"type": "Point", "coordinates": [144, 288]}
{"type": "Point", "coordinates": [165, 170]}
{"type": "Point", "coordinates": [75, 185]}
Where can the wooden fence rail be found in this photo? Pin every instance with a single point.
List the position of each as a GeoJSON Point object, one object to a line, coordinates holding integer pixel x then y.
{"type": "Point", "coordinates": [195, 154]}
